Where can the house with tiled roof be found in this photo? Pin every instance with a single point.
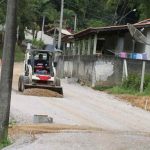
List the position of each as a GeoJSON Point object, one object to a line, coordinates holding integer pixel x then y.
{"type": "Point", "coordinates": [109, 40]}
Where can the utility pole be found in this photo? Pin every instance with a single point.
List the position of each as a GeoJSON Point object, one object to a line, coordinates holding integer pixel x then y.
{"type": "Point", "coordinates": [75, 23]}
{"type": "Point", "coordinates": [43, 24]}
{"type": "Point", "coordinates": [7, 67]}
{"type": "Point", "coordinates": [61, 22]}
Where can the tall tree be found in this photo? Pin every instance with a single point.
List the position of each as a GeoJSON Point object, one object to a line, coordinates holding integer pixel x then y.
{"type": "Point", "coordinates": [31, 12]}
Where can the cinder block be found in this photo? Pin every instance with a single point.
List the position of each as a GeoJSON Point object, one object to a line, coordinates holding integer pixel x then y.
{"type": "Point", "coordinates": [42, 119]}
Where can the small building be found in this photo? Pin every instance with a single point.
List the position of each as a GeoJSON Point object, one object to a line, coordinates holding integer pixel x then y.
{"type": "Point", "coordinates": [110, 40]}
{"type": "Point", "coordinates": [54, 32]}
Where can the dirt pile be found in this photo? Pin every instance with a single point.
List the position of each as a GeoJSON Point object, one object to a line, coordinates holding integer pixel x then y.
{"type": "Point", "coordinates": [138, 101]}
{"type": "Point", "coordinates": [45, 128]}
{"type": "Point", "coordinates": [42, 93]}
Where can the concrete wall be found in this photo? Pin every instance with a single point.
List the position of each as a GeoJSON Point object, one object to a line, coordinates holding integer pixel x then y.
{"type": "Point", "coordinates": [147, 47]}
{"type": "Point", "coordinates": [94, 70]}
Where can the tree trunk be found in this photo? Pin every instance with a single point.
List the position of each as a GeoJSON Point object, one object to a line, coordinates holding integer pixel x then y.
{"type": "Point", "coordinates": [7, 67]}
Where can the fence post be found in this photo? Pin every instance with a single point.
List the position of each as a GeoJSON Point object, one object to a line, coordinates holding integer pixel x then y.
{"type": "Point", "coordinates": [125, 70]}
{"type": "Point", "coordinates": [142, 77]}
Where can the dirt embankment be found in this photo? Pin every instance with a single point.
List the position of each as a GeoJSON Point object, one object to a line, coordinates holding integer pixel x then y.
{"type": "Point", "coordinates": [138, 101]}
{"type": "Point", "coordinates": [48, 128]}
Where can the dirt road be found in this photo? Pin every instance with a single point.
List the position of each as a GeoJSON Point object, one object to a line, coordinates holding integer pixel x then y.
{"type": "Point", "coordinates": [122, 126]}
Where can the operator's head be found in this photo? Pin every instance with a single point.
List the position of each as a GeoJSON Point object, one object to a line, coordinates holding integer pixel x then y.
{"type": "Point", "coordinates": [40, 57]}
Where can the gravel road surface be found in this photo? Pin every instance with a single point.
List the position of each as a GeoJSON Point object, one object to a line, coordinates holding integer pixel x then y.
{"type": "Point", "coordinates": [123, 126]}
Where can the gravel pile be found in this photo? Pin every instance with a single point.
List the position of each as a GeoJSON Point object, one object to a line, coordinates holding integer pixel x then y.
{"type": "Point", "coordinates": [42, 93]}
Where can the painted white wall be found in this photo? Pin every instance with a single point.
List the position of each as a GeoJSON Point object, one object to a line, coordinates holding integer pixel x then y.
{"type": "Point", "coordinates": [46, 39]}
{"type": "Point", "coordinates": [147, 47]}
{"type": "Point", "coordinates": [103, 70]}
{"type": "Point", "coordinates": [99, 71]}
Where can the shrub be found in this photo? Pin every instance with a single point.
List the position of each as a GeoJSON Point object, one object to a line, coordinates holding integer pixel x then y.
{"type": "Point", "coordinates": [38, 43]}
{"type": "Point", "coordinates": [132, 82]}
{"type": "Point", "coordinates": [4, 143]}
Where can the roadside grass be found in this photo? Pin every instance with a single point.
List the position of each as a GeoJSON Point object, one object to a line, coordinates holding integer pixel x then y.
{"type": "Point", "coordinates": [19, 53]}
{"type": "Point", "coordinates": [122, 90]}
{"type": "Point", "coordinates": [5, 143]}
{"type": "Point", "coordinates": [102, 88]}
{"type": "Point", "coordinates": [130, 86]}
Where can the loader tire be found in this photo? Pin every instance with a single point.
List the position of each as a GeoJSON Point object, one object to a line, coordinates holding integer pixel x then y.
{"type": "Point", "coordinates": [26, 80]}
{"type": "Point", "coordinates": [58, 82]}
{"type": "Point", "coordinates": [21, 84]}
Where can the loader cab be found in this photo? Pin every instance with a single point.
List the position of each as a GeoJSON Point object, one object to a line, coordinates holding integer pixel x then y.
{"type": "Point", "coordinates": [43, 63]}
{"type": "Point", "coordinates": [46, 66]}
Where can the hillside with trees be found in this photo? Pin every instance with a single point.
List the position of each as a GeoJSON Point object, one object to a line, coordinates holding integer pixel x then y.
{"type": "Point", "coordinates": [89, 13]}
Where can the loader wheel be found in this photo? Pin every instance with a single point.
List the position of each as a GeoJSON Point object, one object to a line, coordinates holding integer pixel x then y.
{"type": "Point", "coordinates": [26, 80]}
{"type": "Point", "coordinates": [58, 82]}
{"type": "Point", "coordinates": [21, 84]}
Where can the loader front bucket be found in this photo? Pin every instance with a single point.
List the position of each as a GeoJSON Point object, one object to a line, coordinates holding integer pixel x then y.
{"type": "Point", "coordinates": [57, 89]}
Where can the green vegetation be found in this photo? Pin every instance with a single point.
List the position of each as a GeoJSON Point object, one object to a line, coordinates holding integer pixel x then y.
{"type": "Point", "coordinates": [102, 88]}
{"type": "Point", "coordinates": [129, 86]}
{"type": "Point", "coordinates": [4, 143]}
{"type": "Point", "coordinates": [19, 54]}
{"type": "Point", "coordinates": [89, 13]}
{"type": "Point", "coordinates": [38, 43]}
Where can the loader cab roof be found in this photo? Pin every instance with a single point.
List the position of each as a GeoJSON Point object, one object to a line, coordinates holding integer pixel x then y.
{"type": "Point", "coordinates": [43, 51]}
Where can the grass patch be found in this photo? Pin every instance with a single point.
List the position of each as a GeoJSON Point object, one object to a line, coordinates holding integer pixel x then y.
{"type": "Point", "coordinates": [121, 90]}
{"type": "Point", "coordinates": [129, 86]}
{"type": "Point", "coordinates": [19, 53]}
{"type": "Point", "coordinates": [5, 143]}
{"type": "Point", "coordinates": [129, 91]}
{"type": "Point", "coordinates": [102, 88]}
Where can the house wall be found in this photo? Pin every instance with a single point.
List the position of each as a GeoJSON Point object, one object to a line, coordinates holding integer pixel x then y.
{"type": "Point", "coordinates": [147, 47]}
{"type": "Point", "coordinates": [128, 43]}
{"type": "Point", "coordinates": [120, 44]}
{"type": "Point", "coordinates": [108, 43]}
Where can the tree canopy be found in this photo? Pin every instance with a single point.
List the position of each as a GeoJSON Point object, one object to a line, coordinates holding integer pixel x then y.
{"type": "Point", "coordinates": [89, 13]}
